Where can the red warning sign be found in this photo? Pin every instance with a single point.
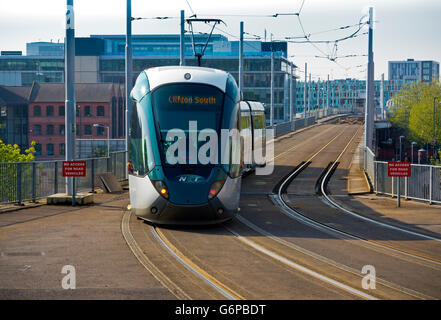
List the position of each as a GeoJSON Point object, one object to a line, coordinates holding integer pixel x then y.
{"type": "Point", "coordinates": [398, 169]}
{"type": "Point", "coordinates": [74, 168]}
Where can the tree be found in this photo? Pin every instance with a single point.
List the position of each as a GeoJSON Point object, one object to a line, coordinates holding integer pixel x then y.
{"type": "Point", "coordinates": [99, 152]}
{"type": "Point", "coordinates": [9, 174]}
{"type": "Point", "coordinates": [12, 153]}
{"type": "Point", "coordinates": [413, 111]}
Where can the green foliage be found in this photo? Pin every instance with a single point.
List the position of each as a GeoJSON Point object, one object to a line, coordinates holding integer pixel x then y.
{"type": "Point", "coordinates": [12, 153]}
{"type": "Point", "coordinates": [99, 152]}
{"type": "Point", "coordinates": [413, 111]}
{"type": "Point", "coordinates": [436, 162]}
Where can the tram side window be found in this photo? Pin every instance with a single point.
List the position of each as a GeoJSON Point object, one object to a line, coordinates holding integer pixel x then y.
{"type": "Point", "coordinates": [140, 152]}
{"type": "Point", "coordinates": [259, 121]}
{"type": "Point", "coordinates": [236, 149]}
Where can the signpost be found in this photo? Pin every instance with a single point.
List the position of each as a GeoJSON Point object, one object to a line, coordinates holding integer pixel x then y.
{"type": "Point", "coordinates": [398, 169]}
{"type": "Point", "coordinates": [74, 169]}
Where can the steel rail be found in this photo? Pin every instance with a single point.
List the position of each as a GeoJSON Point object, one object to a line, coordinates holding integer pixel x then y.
{"type": "Point", "coordinates": [202, 274]}
{"type": "Point", "coordinates": [354, 214]}
{"type": "Point", "coordinates": [290, 212]}
{"type": "Point", "coordinates": [301, 268]}
{"type": "Point", "coordinates": [146, 262]}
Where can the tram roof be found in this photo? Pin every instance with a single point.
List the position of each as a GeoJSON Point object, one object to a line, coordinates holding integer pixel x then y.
{"type": "Point", "coordinates": [177, 74]}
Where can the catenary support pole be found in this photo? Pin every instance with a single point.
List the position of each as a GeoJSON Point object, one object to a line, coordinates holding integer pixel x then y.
{"type": "Point", "coordinates": [291, 102]}
{"type": "Point", "coordinates": [70, 123]}
{"type": "Point", "coordinates": [272, 90]}
{"type": "Point", "coordinates": [327, 96]}
{"type": "Point", "coordinates": [304, 93]}
{"type": "Point", "coordinates": [309, 96]}
{"type": "Point", "coordinates": [182, 40]}
{"type": "Point", "coordinates": [128, 84]}
{"type": "Point", "coordinates": [369, 111]}
{"type": "Point", "coordinates": [241, 60]}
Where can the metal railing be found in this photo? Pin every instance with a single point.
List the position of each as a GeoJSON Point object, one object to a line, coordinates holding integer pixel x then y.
{"type": "Point", "coordinates": [30, 181]}
{"type": "Point", "coordinates": [423, 184]}
{"type": "Point", "coordinates": [283, 128]}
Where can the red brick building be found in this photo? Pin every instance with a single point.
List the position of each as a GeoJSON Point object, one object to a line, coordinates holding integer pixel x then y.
{"type": "Point", "coordinates": [97, 103]}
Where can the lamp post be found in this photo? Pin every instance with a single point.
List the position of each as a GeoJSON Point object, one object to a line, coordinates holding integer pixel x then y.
{"type": "Point", "coordinates": [399, 178]}
{"type": "Point", "coordinates": [108, 140]}
{"type": "Point", "coordinates": [433, 128]}
{"type": "Point", "coordinates": [412, 145]}
{"type": "Point", "coordinates": [401, 137]}
{"type": "Point", "coordinates": [419, 155]}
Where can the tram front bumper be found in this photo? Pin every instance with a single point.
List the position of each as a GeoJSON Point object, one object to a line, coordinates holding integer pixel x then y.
{"type": "Point", "coordinates": [212, 212]}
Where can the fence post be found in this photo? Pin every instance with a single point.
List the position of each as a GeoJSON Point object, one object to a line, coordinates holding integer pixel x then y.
{"type": "Point", "coordinates": [92, 176]}
{"type": "Point", "coordinates": [114, 163]}
{"type": "Point", "coordinates": [34, 181]}
{"type": "Point", "coordinates": [431, 185]}
{"type": "Point", "coordinates": [376, 177]}
{"type": "Point", "coordinates": [406, 181]}
{"type": "Point", "coordinates": [56, 177]}
{"type": "Point", "coordinates": [19, 183]}
{"type": "Point", "coordinates": [109, 164]}
{"type": "Point", "coordinates": [392, 187]}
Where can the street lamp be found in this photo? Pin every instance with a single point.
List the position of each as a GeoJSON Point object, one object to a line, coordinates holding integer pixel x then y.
{"type": "Point", "coordinates": [108, 141]}
{"type": "Point", "coordinates": [433, 128]}
{"type": "Point", "coordinates": [419, 155]}
{"type": "Point", "coordinates": [401, 137]}
{"type": "Point", "coordinates": [412, 145]}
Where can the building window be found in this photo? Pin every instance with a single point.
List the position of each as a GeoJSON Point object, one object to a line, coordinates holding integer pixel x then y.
{"type": "Point", "coordinates": [50, 149]}
{"type": "Point", "coordinates": [62, 148]}
{"type": "Point", "coordinates": [50, 111]}
{"type": "Point", "coordinates": [87, 130]}
{"type": "Point", "coordinates": [61, 111]}
{"type": "Point", "coordinates": [37, 130]}
{"type": "Point", "coordinates": [50, 130]}
{"type": "Point", "coordinates": [77, 111]}
{"type": "Point", "coordinates": [100, 131]}
{"type": "Point", "coordinates": [87, 111]}
{"type": "Point", "coordinates": [78, 130]}
{"type": "Point", "coordinates": [100, 111]}
{"type": "Point", "coordinates": [37, 111]}
{"type": "Point", "coordinates": [38, 149]}
{"type": "Point", "coordinates": [61, 130]}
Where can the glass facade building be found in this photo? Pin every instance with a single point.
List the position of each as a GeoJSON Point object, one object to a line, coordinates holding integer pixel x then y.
{"type": "Point", "coordinates": [162, 50]}
{"type": "Point", "coordinates": [413, 70]}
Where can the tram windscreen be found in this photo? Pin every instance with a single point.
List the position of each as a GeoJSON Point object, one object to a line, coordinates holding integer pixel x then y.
{"type": "Point", "coordinates": [186, 107]}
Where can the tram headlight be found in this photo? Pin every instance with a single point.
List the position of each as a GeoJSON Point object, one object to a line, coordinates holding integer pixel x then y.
{"type": "Point", "coordinates": [215, 188]}
{"type": "Point", "coordinates": [161, 188]}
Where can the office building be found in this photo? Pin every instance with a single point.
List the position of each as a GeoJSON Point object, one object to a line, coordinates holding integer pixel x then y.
{"type": "Point", "coordinates": [413, 70]}
{"type": "Point", "coordinates": [100, 58]}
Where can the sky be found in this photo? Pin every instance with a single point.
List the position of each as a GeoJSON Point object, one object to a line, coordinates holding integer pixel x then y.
{"type": "Point", "coordinates": [403, 28]}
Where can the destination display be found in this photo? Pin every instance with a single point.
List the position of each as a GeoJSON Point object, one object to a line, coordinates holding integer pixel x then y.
{"type": "Point", "coordinates": [191, 100]}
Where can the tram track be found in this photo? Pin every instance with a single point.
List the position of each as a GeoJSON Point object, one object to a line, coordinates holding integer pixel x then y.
{"type": "Point", "coordinates": [229, 293]}
{"type": "Point", "coordinates": [164, 279]}
{"type": "Point", "coordinates": [293, 213]}
{"type": "Point", "coordinates": [287, 258]}
{"type": "Point", "coordinates": [281, 188]}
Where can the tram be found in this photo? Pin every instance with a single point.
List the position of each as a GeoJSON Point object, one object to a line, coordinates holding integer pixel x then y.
{"type": "Point", "coordinates": [186, 147]}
